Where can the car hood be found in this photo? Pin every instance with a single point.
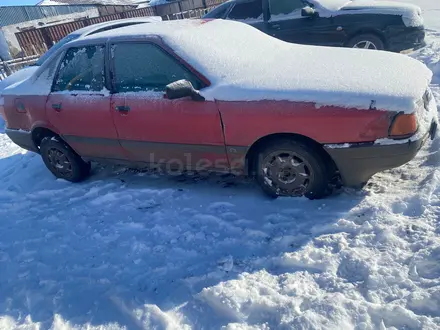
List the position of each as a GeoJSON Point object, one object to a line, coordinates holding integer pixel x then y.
{"type": "Point", "coordinates": [17, 76]}
{"type": "Point", "coordinates": [326, 76]}
{"type": "Point", "coordinates": [411, 14]}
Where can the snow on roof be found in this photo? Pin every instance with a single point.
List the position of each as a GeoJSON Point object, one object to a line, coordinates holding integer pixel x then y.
{"type": "Point", "coordinates": [243, 63]}
{"type": "Point", "coordinates": [332, 5]}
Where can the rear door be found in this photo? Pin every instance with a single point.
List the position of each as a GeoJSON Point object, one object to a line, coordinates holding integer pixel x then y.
{"type": "Point", "coordinates": [179, 133]}
{"type": "Point", "coordinates": [79, 104]}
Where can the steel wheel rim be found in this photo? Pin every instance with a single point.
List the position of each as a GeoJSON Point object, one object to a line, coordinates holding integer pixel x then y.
{"type": "Point", "coordinates": [59, 162]}
{"type": "Point", "coordinates": [287, 172]}
{"type": "Point", "coordinates": [365, 44]}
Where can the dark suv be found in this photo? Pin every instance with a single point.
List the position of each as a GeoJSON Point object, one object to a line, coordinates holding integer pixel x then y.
{"type": "Point", "coordinates": [366, 24]}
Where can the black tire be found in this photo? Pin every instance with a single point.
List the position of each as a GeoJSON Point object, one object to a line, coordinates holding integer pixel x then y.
{"type": "Point", "coordinates": [62, 161]}
{"type": "Point", "coordinates": [366, 41]}
{"type": "Point", "coordinates": [292, 168]}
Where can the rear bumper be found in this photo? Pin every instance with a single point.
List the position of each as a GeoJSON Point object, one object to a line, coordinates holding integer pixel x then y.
{"type": "Point", "coordinates": [407, 38]}
{"type": "Point", "coordinates": [22, 139]}
{"type": "Point", "coordinates": [359, 162]}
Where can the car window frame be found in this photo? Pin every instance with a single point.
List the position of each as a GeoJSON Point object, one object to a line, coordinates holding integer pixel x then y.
{"type": "Point", "coordinates": [271, 14]}
{"type": "Point", "coordinates": [172, 55]}
{"type": "Point", "coordinates": [61, 59]}
{"type": "Point", "coordinates": [231, 8]}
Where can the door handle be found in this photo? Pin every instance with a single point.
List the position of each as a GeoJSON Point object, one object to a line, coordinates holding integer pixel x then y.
{"type": "Point", "coordinates": [57, 107]}
{"type": "Point", "coordinates": [122, 108]}
{"type": "Point", "coordinates": [275, 26]}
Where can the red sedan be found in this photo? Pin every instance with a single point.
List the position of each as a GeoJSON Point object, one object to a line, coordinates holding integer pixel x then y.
{"type": "Point", "coordinates": [222, 96]}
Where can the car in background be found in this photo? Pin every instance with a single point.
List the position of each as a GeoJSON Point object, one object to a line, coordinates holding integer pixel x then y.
{"type": "Point", "coordinates": [368, 24]}
{"type": "Point", "coordinates": [86, 31]}
{"type": "Point", "coordinates": [193, 95]}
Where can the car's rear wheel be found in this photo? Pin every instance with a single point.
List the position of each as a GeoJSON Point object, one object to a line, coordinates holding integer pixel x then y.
{"type": "Point", "coordinates": [62, 161]}
{"type": "Point", "coordinates": [366, 41]}
{"type": "Point", "coordinates": [294, 169]}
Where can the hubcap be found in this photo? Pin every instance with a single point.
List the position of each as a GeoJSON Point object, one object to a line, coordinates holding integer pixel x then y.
{"type": "Point", "coordinates": [59, 162]}
{"type": "Point", "coordinates": [287, 173]}
{"type": "Point", "coordinates": [365, 44]}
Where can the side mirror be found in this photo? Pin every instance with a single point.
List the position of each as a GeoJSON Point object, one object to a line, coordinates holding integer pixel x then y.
{"type": "Point", "coordinates": [308, 12]}
{"type": "Point", "coordinates": [182, 88]}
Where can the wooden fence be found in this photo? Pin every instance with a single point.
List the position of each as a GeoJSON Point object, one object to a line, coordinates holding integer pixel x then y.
{"type": "Point", "coordinates": [38, 41]}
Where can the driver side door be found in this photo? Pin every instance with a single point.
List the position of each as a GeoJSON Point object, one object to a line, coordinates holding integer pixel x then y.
{"type": "Point", "coordinates": [286, 23]}
{"type": "Point", "coordinates": [182, 133]}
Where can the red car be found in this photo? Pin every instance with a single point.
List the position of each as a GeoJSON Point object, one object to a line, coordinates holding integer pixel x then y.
{"type": "Point", "coordinates": [220, 95]}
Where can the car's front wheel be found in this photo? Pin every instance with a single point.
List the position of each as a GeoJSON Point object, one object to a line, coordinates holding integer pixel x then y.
{"type": "Point", "coordinates": [294, 169]}
{"type": "Point", "coordinates": [62, 161]}
{"type": "Point", "coordinates": [366, 41]}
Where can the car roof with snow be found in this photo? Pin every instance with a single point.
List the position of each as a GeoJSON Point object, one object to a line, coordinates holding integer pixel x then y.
{"type": "Point", "coordinates": [139, 20]}
{"type": "Point", "coordinates": [245, 64]}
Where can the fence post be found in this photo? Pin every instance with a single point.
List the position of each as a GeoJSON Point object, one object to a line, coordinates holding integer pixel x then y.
{"type": "Point", "coordinates": [7, 69]}
{"type": "Point", "coordinates": [47, 39]}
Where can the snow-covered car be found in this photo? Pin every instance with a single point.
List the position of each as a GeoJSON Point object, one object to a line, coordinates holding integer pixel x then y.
{"type": "Point", "coordinates": [88, 30]}
{"type": "Point", "coordinates": [382, 25]}
{"type": "Point", "coordinates": [192, 94]}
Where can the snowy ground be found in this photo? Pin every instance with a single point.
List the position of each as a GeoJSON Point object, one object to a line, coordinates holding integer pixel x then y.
{"type": "Point", "coordinates": [138, 251]}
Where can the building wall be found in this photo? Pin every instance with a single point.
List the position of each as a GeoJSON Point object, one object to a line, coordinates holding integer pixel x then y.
{"type": "Point", "coordinates": [9, 31]}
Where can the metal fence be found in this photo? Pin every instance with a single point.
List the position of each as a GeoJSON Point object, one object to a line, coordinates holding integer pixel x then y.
{"type": "Point", "coordinates": [18, 14]}
{"type": "Point", "coordinates": [9, 67]}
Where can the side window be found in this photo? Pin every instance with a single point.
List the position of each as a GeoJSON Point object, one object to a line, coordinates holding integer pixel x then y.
{"type": "Point", "coordinates": [218, 12]}
{"type": "Point", "coordinates": [82, 69]}
{"type": "Point", "coordinates": [247, 10]}
{"type": "Point", "coordinates": [284, 7]}
{"type": "Point", "coordinates": [145, 67]}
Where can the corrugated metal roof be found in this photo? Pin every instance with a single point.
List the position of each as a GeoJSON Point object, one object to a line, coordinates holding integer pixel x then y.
{"type": "Point", "coordinates": [96, 2]}
{"type": "Point", "coordinates": [18, 14]}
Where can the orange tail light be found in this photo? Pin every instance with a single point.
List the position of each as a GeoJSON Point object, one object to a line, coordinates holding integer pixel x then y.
{"type": "Point", "coordinates": [403, 125]}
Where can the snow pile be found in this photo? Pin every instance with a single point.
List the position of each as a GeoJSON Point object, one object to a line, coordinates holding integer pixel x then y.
{"type": "Point", "coordinates": [330, 5]}
{"type": "Point", "coordinates": [225, 51]}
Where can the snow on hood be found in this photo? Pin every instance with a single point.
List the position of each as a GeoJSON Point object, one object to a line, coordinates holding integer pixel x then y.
{"type": "Point", "coordinates": [411, 14]}
{"type": "Point", "coordinates": [243, 63]}
{"type": "Point", "coordinates": [17, 77]}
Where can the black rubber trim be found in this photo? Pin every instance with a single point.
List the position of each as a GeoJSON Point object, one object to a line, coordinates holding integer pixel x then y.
{"type": "Point", "coordinates": [22, 139]}
{"type": "Point", "coordinates": [359, 162]}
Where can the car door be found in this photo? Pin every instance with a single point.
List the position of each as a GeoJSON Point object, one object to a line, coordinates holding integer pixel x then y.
{"type": "Point", "coordinates": [286, 23]}
{"type": "Point", "coordinates": [79, 105]}
{"type": "Point", "coordinates": [179, 133]}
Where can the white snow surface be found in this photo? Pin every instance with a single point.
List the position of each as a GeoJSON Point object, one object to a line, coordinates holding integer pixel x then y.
{"type": "Point", "coordinates": [284, 71]}
{"type": "Point", "coordinates": [128, 250]}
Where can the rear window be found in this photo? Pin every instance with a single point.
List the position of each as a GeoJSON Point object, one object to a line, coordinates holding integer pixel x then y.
{"type": "Point", "coordinates": [82, 69]}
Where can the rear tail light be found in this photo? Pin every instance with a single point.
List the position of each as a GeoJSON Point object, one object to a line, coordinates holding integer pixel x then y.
{"type": "Point", "coordinates": [403, 125]}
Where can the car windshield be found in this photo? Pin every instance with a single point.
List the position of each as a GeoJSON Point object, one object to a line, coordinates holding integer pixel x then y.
{"type": "Point", "coordinates": [55, 47]}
